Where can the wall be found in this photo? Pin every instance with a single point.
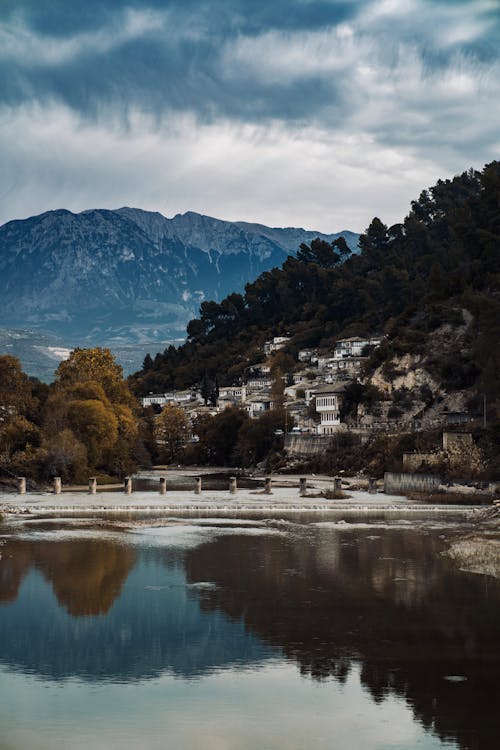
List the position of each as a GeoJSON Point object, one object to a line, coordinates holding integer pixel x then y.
{"type": "Point", "coordinates": [456, 440]}
{"type": "Point", "coordinates": [307, 445]}
{"type": "Point", "coordinates": [397, 483]}
{"type": "Point", "coordinates": [415, 461]}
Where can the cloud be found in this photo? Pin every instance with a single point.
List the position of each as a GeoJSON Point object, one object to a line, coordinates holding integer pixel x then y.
{"type": "Point", "coordinates": [19, 44]}
{"type": "Point", "coordinates": [271, 172]}
{"type": "Point", "coordinates": [315, 112]}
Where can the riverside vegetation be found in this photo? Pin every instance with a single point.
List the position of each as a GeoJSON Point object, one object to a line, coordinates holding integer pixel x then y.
{"type": "Point", "coordinates": [430, 283]}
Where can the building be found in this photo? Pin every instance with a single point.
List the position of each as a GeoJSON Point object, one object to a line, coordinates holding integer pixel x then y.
{"type": "Point", "coordinates": [277, 343]}
{"type": "Point", "coordinates": [258, 382]}
{"type": "Point", "coordinates": [235, 393]}
{"type": "Point", "coordinates": [305, 355]}
{"type": "Point", "coordinates": [257, 405]}
{"type": "Point", "coordinates": [158, 399]}
{"type": "Point", "coordinates": [176, 398]}
{"type": "Point", "coordinates": [354, 346]}
{"type": "Point", "coordinates": [328, 403]}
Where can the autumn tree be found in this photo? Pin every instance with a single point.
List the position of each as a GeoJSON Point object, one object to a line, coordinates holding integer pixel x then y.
{"type": "Point", "coordinates": [171, 431]}
{"type": "Point", "coordinates": [16, 396]}
{"type": "Point", "coordinates": [96, 365]}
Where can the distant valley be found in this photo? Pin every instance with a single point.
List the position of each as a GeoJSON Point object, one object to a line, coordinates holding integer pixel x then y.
{"type": "Point", "coordinates": [128, 279]}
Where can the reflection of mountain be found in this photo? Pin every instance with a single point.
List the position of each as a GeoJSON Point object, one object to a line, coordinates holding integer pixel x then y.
{"type": "Point", "coordinates": [153, 622]}
{"type": "Point", "coordinates": [389, 601]}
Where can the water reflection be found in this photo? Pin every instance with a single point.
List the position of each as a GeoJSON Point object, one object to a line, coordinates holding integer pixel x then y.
{"type": "Point", "coordinates": [86, 575]}
{"type": "Point", "coordinates": [386, 599]}
{"type": "Point", "coordinates": [380, 604]}
{"type": "Point", "coordinates": [153, 622]}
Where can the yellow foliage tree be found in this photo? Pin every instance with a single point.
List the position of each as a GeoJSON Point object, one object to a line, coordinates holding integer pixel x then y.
{"type": "Point", "coordinates": [96, 365]}
{"type": "Point", "coordinates": [95, 425]}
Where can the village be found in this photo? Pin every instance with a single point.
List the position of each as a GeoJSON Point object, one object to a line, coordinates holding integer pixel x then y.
{"type": "Point", "coordinates": [311, 394]}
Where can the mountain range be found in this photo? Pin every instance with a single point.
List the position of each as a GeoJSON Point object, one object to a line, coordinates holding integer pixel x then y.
{"type": "Point", "coordinates": [128, 277]}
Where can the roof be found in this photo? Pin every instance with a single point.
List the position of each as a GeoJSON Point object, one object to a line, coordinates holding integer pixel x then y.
{"type": "Point", "coordinates": [351, 339]}
{"type": "Point", "coordinates": [333, 388]}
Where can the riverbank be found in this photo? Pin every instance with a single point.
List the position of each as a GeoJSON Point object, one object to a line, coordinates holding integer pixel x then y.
{"type": "Point", "coordinates": [180, 497]}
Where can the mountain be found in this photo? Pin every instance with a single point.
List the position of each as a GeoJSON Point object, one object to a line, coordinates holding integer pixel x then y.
{"type": "Point", "coordinates": [129, 276]}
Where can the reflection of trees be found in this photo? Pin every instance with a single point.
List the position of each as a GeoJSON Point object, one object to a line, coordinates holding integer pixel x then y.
{"type": "Point", "coordinates": [323, 602]}
{"type": "Point", "coordinates": [152, 627]}
{"type": "Point", "coordinates": [86, 575]}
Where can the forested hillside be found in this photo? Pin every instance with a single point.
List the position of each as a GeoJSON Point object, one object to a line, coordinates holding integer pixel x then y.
{"type": "Point", "coordinates": [410, 278]}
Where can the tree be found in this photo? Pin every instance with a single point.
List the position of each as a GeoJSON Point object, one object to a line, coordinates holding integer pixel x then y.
{"type": "Point", "coordinates": [218, 436]}
{"type": "Point", "coordinates": [375, 241]}
{"type": "Point", "coordinates": [95, 425]}
{"type": "Point", "coordinates": [148, 362]}
{"type": "Point", "coordinates": [209, 389]}
{"type": "Point", "coordinates": [256, 437]}
{"type": "Point", "coordinates": [171, 431]}
{"type": "Point", "coordinates": [64, 456]}
{"type": "Point", "coordinates": [320, 252]}
{"type": "Point", "coordinates": [16, 396]}
{"type": "Point", "coordinates": [96, 365]}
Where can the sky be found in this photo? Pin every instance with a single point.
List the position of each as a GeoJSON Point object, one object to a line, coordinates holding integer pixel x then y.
{"type": "Point", "coordinates": [312, 113]}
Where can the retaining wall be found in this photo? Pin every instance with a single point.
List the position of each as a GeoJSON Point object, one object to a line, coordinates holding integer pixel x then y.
{"type": "Point", "coordinates": [307, 445]}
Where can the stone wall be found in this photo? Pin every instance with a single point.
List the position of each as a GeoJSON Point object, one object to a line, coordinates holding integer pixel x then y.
{"type": "Point", "coordinates": [417, 460]}
{"type": "Point", "coordinates": [308, 445]}
{"type": "Point", "coordinates": [398, 483]}
{"type": "Point", "coordinates": [457, 441]}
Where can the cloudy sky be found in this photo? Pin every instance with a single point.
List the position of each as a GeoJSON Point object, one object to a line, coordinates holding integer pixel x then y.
{"type": "Point", "coordinates": [314, 113]}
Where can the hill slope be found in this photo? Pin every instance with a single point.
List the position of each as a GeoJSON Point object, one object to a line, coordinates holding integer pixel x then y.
{"type": "Point", "coordinates": [432, 283]}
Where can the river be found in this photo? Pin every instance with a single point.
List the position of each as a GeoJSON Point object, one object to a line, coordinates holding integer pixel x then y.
{"type": "Point", "coordinates": [243, 633]}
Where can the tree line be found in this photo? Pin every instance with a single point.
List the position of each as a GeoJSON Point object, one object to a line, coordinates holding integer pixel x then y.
{"type": "Point", "coordinates": [84, 423]}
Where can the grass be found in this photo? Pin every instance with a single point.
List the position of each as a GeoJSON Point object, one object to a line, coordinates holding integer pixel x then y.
{"type": "Point", "coordinates": [476, 555]}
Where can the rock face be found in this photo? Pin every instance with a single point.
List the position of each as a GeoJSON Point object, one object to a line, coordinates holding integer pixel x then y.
{"type": "Point", "coordinates": [129, 275]}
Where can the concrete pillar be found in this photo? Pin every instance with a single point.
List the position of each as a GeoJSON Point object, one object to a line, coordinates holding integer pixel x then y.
{"type": "Point", "coordinates": [303, 486]}
{"type": "Point", "coordinates": [163, 485]}
{"type": "Point", "coordinates": [57, 485]}
{"type": "Point", "coordinates": [92, 486]}
{"type": "Point", "coordinates": [127, 485]}
{"type": "Point", "coordinates": [197, 489]}
{"type": "Point", "coordinates": [21, 487]}
{"type": "Point", "coordinates": [337, 484]}
{"type": "Point", "coordinates": [268, 483]}
{"type": "Point", "coordinates": [232, 485]}
{"type": "Point", "coordinates": [372, 486]}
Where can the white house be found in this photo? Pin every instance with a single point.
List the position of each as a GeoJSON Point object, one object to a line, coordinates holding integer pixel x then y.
{"type": "Point", "coordinates": [277, 343]}
{"type": "Point", "coordinates": [328, 401]}
{"type": "Point", "coordinates": [233, 392]}
{"type": "Point", "coordinates": [160, 399]}
{"type": "Point", "coordinates": [259, 383]}
{"type": "Point", "coordinates": [305, 355]}
{"type": "Point", "coordinates": [257, 405]}
{"type": "Point", "coordinates": [353, 347]}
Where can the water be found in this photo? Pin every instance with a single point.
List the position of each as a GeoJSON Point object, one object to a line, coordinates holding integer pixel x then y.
{"type": "Point", "coordinates": [227, 633]}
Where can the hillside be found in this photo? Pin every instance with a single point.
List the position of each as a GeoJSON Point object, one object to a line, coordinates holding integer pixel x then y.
{"type": "Point", "coordinates": [431, 283]}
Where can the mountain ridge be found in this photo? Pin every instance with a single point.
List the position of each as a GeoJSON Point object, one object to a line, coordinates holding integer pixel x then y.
{"type": "Point", "coordinates": [126, 275]}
